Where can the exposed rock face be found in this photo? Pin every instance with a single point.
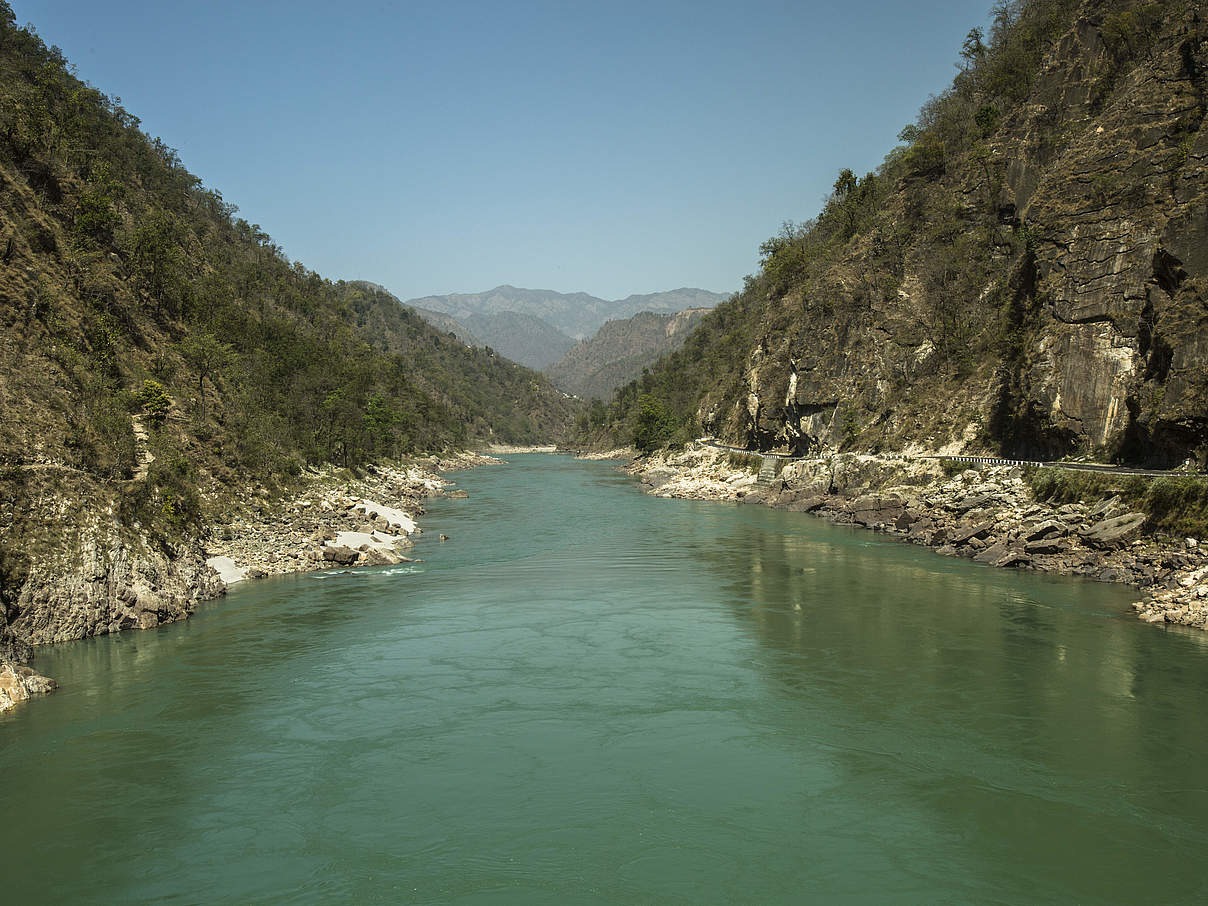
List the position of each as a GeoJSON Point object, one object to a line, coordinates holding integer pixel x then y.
{"type": "Point", "coordinates": [1084, 316]}
{"type": "Point", "coordinates": [92, 574]}
{"type": "Point", "coordinates": [113, 587]}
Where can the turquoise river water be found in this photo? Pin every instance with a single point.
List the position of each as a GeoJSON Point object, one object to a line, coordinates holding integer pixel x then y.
{"type": "Point", "coordinates": [589, 695]}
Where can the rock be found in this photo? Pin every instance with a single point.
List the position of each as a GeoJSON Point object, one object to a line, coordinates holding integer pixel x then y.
{"type": "Point", "coordinates": [875, 509]}
{"type": "Point", "coordinates": [963, 533]}
{"type": "Point", "coordinates": [18, 682]}
{"type": "Point", "coordinates": [1013, 558]}
{"type": "Point", "coordinates": [973, 502]}
{"type": "Point", "coordinates": [1045, 546]}
{"type": "Point", "coordinates": [993, 553]}
{"type": "Point", "coordinates": [807, 504]}
{"type": "Point", "coordinates": [379, 557]}
{"type": "Point", "coordinates": [1115, 531]}
{"type": "Point", "coordinates": [345, 556]}
{"type": "Point", "coordinates": [1107, 508]}
{"type": "Point", "coordinates": [1047, 529]}
{"type": "Point", "coordinates": [457, 495]}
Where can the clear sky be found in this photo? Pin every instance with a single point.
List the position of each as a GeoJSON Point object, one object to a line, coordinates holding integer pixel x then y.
{"type": "Point", "coordinates": [606, 146]}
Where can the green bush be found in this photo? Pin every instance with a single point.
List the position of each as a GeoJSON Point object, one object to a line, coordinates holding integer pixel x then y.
{"type": "Point", "coordinates": [154, 400]}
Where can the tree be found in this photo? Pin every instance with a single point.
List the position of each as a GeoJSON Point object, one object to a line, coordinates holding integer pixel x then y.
{"type": "Point", "coordinates": [156, 256]}
{"type": "Point", "coordinates": [973, 49]}
{"type": "Point", "coordinates": [207, 356]}
{"type": "Point", "coordinates": [654, 426]}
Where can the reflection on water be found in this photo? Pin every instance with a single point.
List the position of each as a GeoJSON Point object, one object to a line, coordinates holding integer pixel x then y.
{"type": "Point", "coordinates": [589, 695]}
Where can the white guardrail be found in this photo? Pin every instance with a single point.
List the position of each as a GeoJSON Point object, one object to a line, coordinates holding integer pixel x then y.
{"type": "Point", "coordinates": [982, 460]}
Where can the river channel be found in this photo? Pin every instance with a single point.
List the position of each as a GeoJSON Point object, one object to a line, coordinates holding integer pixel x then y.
{"type": "Point", "coordinates": [589, 695]}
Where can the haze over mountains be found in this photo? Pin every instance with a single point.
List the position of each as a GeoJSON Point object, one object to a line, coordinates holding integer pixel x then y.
{"type": "Point", "coordinates": [536, 327]}
{"type": "Point", "coordinates": [617, 353]}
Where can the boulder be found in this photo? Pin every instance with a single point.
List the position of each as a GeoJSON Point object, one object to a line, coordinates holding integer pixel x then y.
{"type": "Point", "coordinates": [345, 556]}
{"type": "Point", "coordinates": [1048, 529]}
{"type": "Point", "coordinates": [973, 502]}
{"type": "Point", "coordinates": [379, 557]}
{"type": "Point", "coordinates": [962, 533]}
{"type": "Point", "coordinates": [993, 553]}
{"type": "Point", "coordinates": [806, 504]}
{"type": "Point", "coordinates": [1014, 558]}
{"type": "Point", "coordinates": [875, 509]}
{"type": "Point", "coordinates": [1045, 546]}
{"type": "Point", "coordinates": [1115, 531]}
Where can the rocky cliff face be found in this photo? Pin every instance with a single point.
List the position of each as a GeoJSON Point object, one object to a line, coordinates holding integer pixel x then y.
{"type": "Point", "coordinates": [1042, 291]}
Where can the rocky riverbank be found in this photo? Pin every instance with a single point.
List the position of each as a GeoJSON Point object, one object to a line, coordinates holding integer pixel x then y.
{"type": "Point", "coordinates": [988, 515]}
{"type": "Point", "coordinates": [98, 579]}
{"type": "Point", "coordinates": [334, 519]}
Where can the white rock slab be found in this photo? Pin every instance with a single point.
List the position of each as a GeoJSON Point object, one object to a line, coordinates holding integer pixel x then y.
{"type": "Point", "coordinates": [395, 517]}
{"type": "Point", "coordinates": [354, 540]}
{"type": "Point", "coordinates": [227, 570]}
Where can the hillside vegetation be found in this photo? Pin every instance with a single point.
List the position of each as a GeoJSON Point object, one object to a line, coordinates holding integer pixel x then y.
{"type": "Point", "coordinates": [161, 355]}
{"type": "Point", "coordinates": [130, 288]}
{"type": "Point", "coordinates": [1027, 273]}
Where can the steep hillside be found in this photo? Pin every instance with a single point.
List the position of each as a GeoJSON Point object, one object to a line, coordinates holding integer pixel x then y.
{"type": "Point", "coordinates": [1027, 273]}
{"type": "Point", "coordinates": [619, 351]}
{"type": "Point", "coordinates": [161, 356]}
{"type": "Point", "coordinates": [439, 320]}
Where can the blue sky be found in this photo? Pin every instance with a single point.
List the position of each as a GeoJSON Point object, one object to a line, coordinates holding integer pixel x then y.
{"type": "Point", "coordinates": [608, 147]}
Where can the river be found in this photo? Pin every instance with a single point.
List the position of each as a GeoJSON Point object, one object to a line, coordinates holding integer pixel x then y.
{"type": "Point", "coordinates": [589, 695]}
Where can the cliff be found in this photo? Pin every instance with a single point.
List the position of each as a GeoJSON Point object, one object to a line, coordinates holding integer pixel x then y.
{"type": "Point", "coordinates": [1027, 274]}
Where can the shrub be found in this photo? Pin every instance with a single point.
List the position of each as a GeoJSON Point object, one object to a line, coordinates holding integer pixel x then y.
{"type": "Point", "coordinates": [154, 400]}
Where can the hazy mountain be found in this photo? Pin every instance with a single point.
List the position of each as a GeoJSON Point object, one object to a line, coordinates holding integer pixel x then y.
{"type": "Point", "coordinates": [620, 350]}
{"type": "Point", "coordinates": [578, 315]}
{"type": "Point", "coordinates": [522, 338]}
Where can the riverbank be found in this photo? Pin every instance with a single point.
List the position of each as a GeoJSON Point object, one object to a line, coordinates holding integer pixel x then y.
{"type": "Point", "coordinates": [333, 519]}
{"type": "Point", "coordinates": [987, 514]}
{"type": "Point", "coordinates": [94, 578]}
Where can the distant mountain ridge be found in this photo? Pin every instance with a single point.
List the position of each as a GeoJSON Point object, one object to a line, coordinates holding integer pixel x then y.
{"type": "Point", "coordinates": [578, 315]}
{"type": "Point", "coordinates": [619, 351]}
{"type": "Point", "coordinates": [536, 327]}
